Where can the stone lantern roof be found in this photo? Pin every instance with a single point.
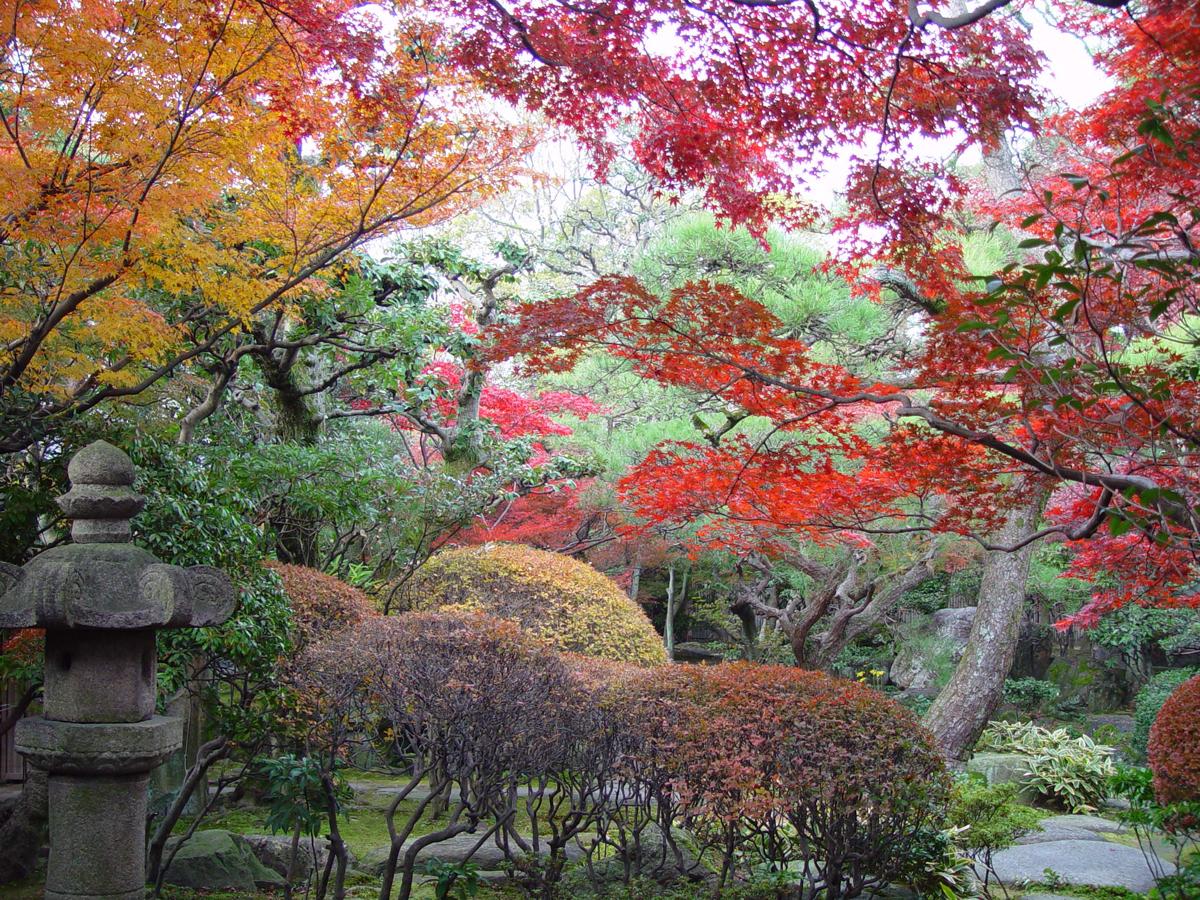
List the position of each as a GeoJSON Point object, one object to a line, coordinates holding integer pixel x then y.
{"type": "Point", "coordinates": [101, 580]}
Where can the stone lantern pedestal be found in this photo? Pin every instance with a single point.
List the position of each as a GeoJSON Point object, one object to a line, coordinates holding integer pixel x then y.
{"type": "Point", "coordinates": [101, 599]}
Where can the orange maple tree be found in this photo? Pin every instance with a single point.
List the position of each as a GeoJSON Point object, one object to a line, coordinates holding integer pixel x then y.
{"type": "Point", "coordinates": [169, 170]}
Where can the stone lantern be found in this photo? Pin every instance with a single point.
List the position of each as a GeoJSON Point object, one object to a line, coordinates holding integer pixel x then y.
{"type": "Point", "coordinates": [101, 599]}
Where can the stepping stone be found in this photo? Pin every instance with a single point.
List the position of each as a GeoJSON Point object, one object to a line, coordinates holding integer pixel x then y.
{"type": "Point", "coordinates": [1096, 863]}
{"type": "Point", "coordinates": [1087, 823]}
{"type": "Point", "coordinates": [1052, 833]}
{"type": "Point", "coordinates": [1073, 828]}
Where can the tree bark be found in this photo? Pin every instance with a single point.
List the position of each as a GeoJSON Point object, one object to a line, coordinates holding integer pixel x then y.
{"type": "Point", "coordinates": [963, 708]}
{"type": "Point", "coordinates": [669, 620]}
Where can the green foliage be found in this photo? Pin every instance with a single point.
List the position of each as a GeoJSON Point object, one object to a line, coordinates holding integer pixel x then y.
{"type": "Point", "coordinates": [812, 305]}
{"type": "Point", "coordinates": [1150, 700]}
{"type": "Point", "coordinates": [936, 592]}
{"type": "Point", "coordinates": [987, 817]}
{"type": "Point", "coordinates": [1174, 825]}
{"type": "Point", "coordinates": [1133, 628]}
{"type": "Point", "coordinates": [193, 516]}
{"type": "Point", "coordinates": [1071, 772]}
{"type": "Point", "coordinates": [294, 794]}
{"type": "Point", "coordinates": [1029, 695]}
{"type": "Point", "coordinates": [452, 881]}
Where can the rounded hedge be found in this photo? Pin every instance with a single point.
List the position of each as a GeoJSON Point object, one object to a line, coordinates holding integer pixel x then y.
{"type": "Point", "coordinates": [1150, 700]}
{"type": "Point", "coordinates": [321, 604]}
{"type": "Point", "coordinates": [1175, 746]}
{"type": "Point", "coordinates": [555, 597]}
{"type": "Point", "coordinates": [857, 780]}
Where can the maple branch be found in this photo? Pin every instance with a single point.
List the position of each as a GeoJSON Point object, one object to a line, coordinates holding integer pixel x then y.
{"type": "Point", "coordinates": [970, 17]}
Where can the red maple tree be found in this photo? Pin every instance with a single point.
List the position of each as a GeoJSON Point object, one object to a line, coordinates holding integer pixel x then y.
{"type": "Point", "coordinates": [1076, 364]}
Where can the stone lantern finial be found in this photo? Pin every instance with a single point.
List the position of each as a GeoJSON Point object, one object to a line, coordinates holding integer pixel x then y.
{"type": "Point", "coordinates": [101, 500]}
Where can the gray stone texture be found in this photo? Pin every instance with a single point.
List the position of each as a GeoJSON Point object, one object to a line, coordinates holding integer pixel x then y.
{"type": "Point", "coordinates": [1076, 862]}
{"type": "Point", "coordinates": [275, 852]}
{"type": "Point", "coordinates": [90, 813]}
{"type": "Point", "coordinates": [951, 628]}
{"type": "Point", "coordinates": [100, 600]}
{"type": "Point", "coordinates": [1004, 768]}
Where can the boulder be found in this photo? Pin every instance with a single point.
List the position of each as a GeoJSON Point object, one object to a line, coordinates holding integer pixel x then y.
{"type": "Point", "coordinates": [455, 850]}
{"type": "Point", "coordinates": [275, 852]}
{"type": "Point", "coordinates": [1076, 862]}
{"type": "Point", "coordinates": [215, 860]}
{"type": "Point", "coordinates": [915, 667]}
{"type": "Point", "coordinates": [1004, 768]}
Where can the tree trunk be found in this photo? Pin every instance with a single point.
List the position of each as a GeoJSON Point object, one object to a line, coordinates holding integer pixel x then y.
{"type": "Point", "coordinates": [669, 620]}
{"type": "Point", "coordinates": [963, 708]}
{"type": "Point", "coordinates": [297, 421]}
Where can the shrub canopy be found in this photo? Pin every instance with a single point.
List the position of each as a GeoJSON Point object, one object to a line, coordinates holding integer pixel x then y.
{"type": "Point", "coordinates": [321, 604]}
{"type": "Point", "coordinates": [559, 599]}
{"type": "Point", "coordinates": [1175, 746]}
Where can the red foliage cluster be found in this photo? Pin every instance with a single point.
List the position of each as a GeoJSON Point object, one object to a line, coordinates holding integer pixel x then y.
{"type": "Point", "coordinates": [321, 604]}
{"type": "Point", "coordinates": [1174, 746]}
{"type": "Point", "coordinates": [1068, 366]}
{"type": "Point", "coordinates": [513, 413]}
{"type": "Point", "coordinates": [747, 99]}
{"type": "Point", "coordinates": [779, 765]}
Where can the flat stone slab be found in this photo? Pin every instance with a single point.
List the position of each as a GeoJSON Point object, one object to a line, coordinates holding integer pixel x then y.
{"type": "Point", "coordinates": [1051, 833]}
{"type": "Point", "coordinates": [1073, 828]}
{"type": "Point", "coordinates": [1087, 823]}
{"type": "Point", "coordinates": [1097, 863]}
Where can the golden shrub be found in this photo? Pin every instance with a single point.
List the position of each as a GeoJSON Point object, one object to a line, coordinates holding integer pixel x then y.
{"type": "Point", "coordinates": [560, 599]}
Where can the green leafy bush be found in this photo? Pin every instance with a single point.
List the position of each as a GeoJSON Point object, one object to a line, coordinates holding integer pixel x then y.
{"type": "Point", "coordinates": [1071, 772]}
{"type": "Point", "coordinates": [1030, 695]}
{"type": "Point", "coordinates": [984, 819]}
{"type": "Point", "coordinates": [1170, 831]}
{"type": "Point", "coordinates": [1150, 700]}
{"type": "Point", "coordinates": [1174, 747]}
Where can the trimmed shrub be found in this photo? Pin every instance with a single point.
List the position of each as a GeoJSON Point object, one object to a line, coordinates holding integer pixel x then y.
{"type": "Point", "coordinates": [776, 768]}
{"type": "Point", "coordinates": [1029, 695]}
{"type": "Point", "coordinates": [1175, 746]}
{"type": "Point", "coordinates": [1150, 700]}
{"type": "Point", "coordinates": [554, 597]}
{"type": "Point", "coordinates": [322, 605]}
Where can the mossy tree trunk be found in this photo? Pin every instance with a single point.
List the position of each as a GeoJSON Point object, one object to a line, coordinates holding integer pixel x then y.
{"type": "Point", "coordinates": [297, 421]}
{"type": "Point", "coordinates": [963, 708]}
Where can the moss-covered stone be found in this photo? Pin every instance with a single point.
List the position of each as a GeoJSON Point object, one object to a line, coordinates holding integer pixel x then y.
{"type": "Point", "coordinates": [218, 860]}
